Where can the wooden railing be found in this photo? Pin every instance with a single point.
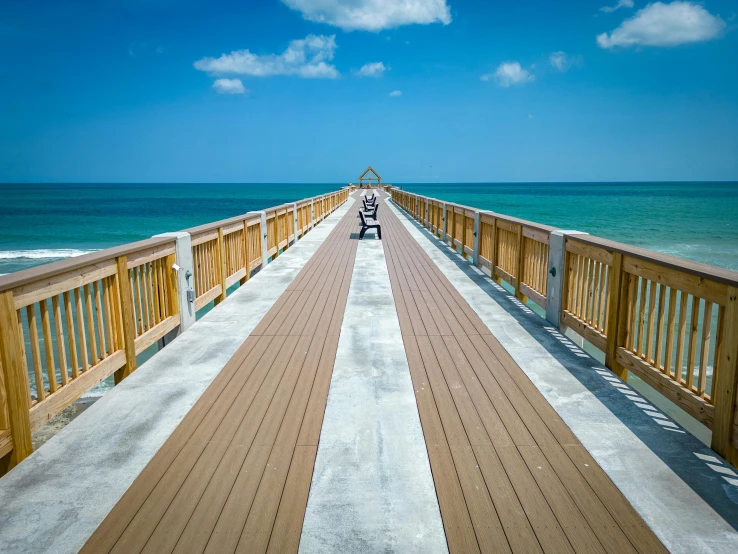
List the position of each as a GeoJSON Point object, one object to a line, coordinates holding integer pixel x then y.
{"type": "Point", "coordinates": [75, 322]}
{"type": "Point", "coordinates": [670, 321]}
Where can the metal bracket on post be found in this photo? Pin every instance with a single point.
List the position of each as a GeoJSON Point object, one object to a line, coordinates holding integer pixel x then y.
{"type": "Point", "coordinates": [264, 246]}
{"type": "Point", "coordinates": [297, 229]}
{"type": "Point", "coordinates": [475, 253]}
{"type": "Point", "coordinates": [556, 274]}
{"type": "Point", "coordinates": [185, 269]}
{"type": "Point", "coordinates": [443, 222]}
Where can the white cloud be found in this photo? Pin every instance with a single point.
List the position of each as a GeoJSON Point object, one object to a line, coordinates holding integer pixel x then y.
{"type": "Point", "coordinates": [229, 86]}
{"type": "Point", "coordinates": [372, 15]}
{"type": "Point", "coordinates": [620, 4]}
{"type": "Point", "coordinates": [561, 61]}
{"type": "Point", "coordinates": [306, 57]}
{"type": "Point", "coordinates": [375, 69]}
{"type": "Point", "coordinates": [508, 74]}
{"type": "Point", "coordinates": [660, 24]}
{"type": "Point", "coordinates": [396, 93]}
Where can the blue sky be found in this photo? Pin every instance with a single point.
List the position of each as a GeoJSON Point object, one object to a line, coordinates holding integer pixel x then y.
{"type": "Point", "coordinates": [316, 90]}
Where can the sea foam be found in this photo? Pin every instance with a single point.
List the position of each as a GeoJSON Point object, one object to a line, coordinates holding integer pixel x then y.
{"type": "Point", "coordinates": [42, 254]}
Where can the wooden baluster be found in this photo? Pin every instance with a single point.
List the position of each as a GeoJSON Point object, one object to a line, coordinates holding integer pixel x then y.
{"type": "Point", "coordinates": [81, 329]}
{"type": "Point", "coordinates": [726, 383]}
{"type": "Point", "coordinates": [679, 363]}
{"type": "Point", "coordinates": [705, 349]}
{"type": "Point", "coordinates": [14, 383]}
{"type": "Point", "coordinates": [172, 285]}
{"type": "Point", "coordinates": [670, 320]}
{"type": "Point", "coordinates": [99, 314]}
{"type": "Point", "coordinates": [651, 317]}
{"type": "Point", "coordinates": [48, 345]}
{"type": "Point", "coordinates": [642, 317]}
{"type": "Point", "coordinates": [59, 331]}
{"type": "Point", "coordinates": [127, 314]}
{"type": "Point", "coordinates": [692, 350]}
{"type": "Point", "coordinates": [156, 292]}
{"type": "Point", "coordinates": [660, 328]}
{"type": "Point", "coordinates": [246, 251]}
{"type": "Point", "coordinates": [35, 353]}
{"type": "Point", "coordinates": [70, 335]}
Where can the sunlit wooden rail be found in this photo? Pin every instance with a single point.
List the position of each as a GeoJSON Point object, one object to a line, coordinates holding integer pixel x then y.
{"type": "Point", "coordinates": [75, 322]}
{"type": "Point", "coordinates": [670, 321]}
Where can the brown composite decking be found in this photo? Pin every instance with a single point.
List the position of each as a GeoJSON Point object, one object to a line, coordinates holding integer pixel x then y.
{"type": "Point", "coordinates": [235, 474]}
{"type": "Point", "coordinates": [509, 474]}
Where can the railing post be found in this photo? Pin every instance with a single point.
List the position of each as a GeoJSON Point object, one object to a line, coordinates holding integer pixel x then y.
{"type": "Point", "coordinates": [180, 283]}
{"type": "Point", "coordinates": [312, 215]}
{"type": "Point", "coordinates": [617, 309]}
{"type": "Point", "coordinates": [127, 315]}
{"type": "Point", "coordinates": [221, 267]}
{"type": "Point", "coordinates": [556, 282]}
{"type": "Point", "coordinates": [727, 381]}
{"type": "Point", "coordinates": [264, 246]}
{"type": "Point", "coordinates": [520, 264]}
{"type": "Point", "coordinates": [443, 222]}
{"type": "Point", "coordinates": [15, 380]}
{"type": "Point", "coordinates": [475, 253]}
{"type": "Point", "coordinates": [427, 223]}
{"type": "Point", "coordinates": [296, 224]}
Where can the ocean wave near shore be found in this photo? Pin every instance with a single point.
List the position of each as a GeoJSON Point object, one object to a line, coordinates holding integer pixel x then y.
{"type": "Point", "coordinates": [42, 254]}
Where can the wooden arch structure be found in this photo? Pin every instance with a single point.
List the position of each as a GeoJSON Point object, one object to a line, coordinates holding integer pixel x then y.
{"type": "Point", "coordinates": [370, 178]}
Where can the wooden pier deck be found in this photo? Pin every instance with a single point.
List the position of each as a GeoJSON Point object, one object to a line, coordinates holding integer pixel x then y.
{"type": "Point", "coordinates": [236, 474]}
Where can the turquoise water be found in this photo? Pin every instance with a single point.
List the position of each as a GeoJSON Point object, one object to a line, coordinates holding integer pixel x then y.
{"type": "Point", "coordinates": [40, 223]}
{"type": "Point", "coordinates": [43, 222]}
{"type": "Point", "coordinates": [698, 221]}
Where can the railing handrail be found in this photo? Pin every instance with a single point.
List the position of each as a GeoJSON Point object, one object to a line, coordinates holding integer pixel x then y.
{"type": "Point", "coordinates": [44, 271]}
{"type": "Point", "coordinates": [698, 269]}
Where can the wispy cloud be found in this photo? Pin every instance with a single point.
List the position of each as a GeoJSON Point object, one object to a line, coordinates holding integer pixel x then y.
{"type": "Point", "coordinates": [395, 93]}
{"type": "Point", "coordinates": [508, 74]}
{"type": "Point", "coordinates": [660, 24]}
{"type": "Point", "coordinates": [306, 58]}
{"type": "Point", "coordinates": [375, 69]}
{"type": "Point", "coordinates": [620, 4]}
{"type": "Point", "coordinates": [561, 61]}
{"type": "Point", "coordinates": [372, 15]}
{"type": "Point", "coordinates": [229, 86]}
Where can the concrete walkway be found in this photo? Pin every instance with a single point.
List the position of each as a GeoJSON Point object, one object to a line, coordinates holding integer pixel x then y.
{"type": "Point", "coordinates": [372, 488]}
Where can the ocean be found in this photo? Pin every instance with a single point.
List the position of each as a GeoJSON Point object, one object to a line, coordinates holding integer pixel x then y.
{"type": "Point", "coordinates": [40, 223]}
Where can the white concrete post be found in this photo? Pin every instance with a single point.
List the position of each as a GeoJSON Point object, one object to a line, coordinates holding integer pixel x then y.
{"type": "Point", "coordinates": [185, 282]}
{"type": "Point", "coordinates": [556, 273]}
{"type": "Point", "coordinates": [264, 247]}
{"type": "Point", "coordinates": [443, 221]}
{"type": "Point", "coordinates": [297, 228]}
{"type": "Point", "coordinates": [475, 253]}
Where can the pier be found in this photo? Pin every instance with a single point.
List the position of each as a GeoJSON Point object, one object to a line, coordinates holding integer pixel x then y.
{"type": "Point", "coordinates": [313, 392]}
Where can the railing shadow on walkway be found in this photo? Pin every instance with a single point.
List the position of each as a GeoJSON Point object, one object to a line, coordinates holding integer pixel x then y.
{"type": "Point", "coordinates": [669, 447]}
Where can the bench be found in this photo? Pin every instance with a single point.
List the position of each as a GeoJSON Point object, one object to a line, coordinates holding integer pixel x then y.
{"type": "Point", "coordinates": [366, 226]}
